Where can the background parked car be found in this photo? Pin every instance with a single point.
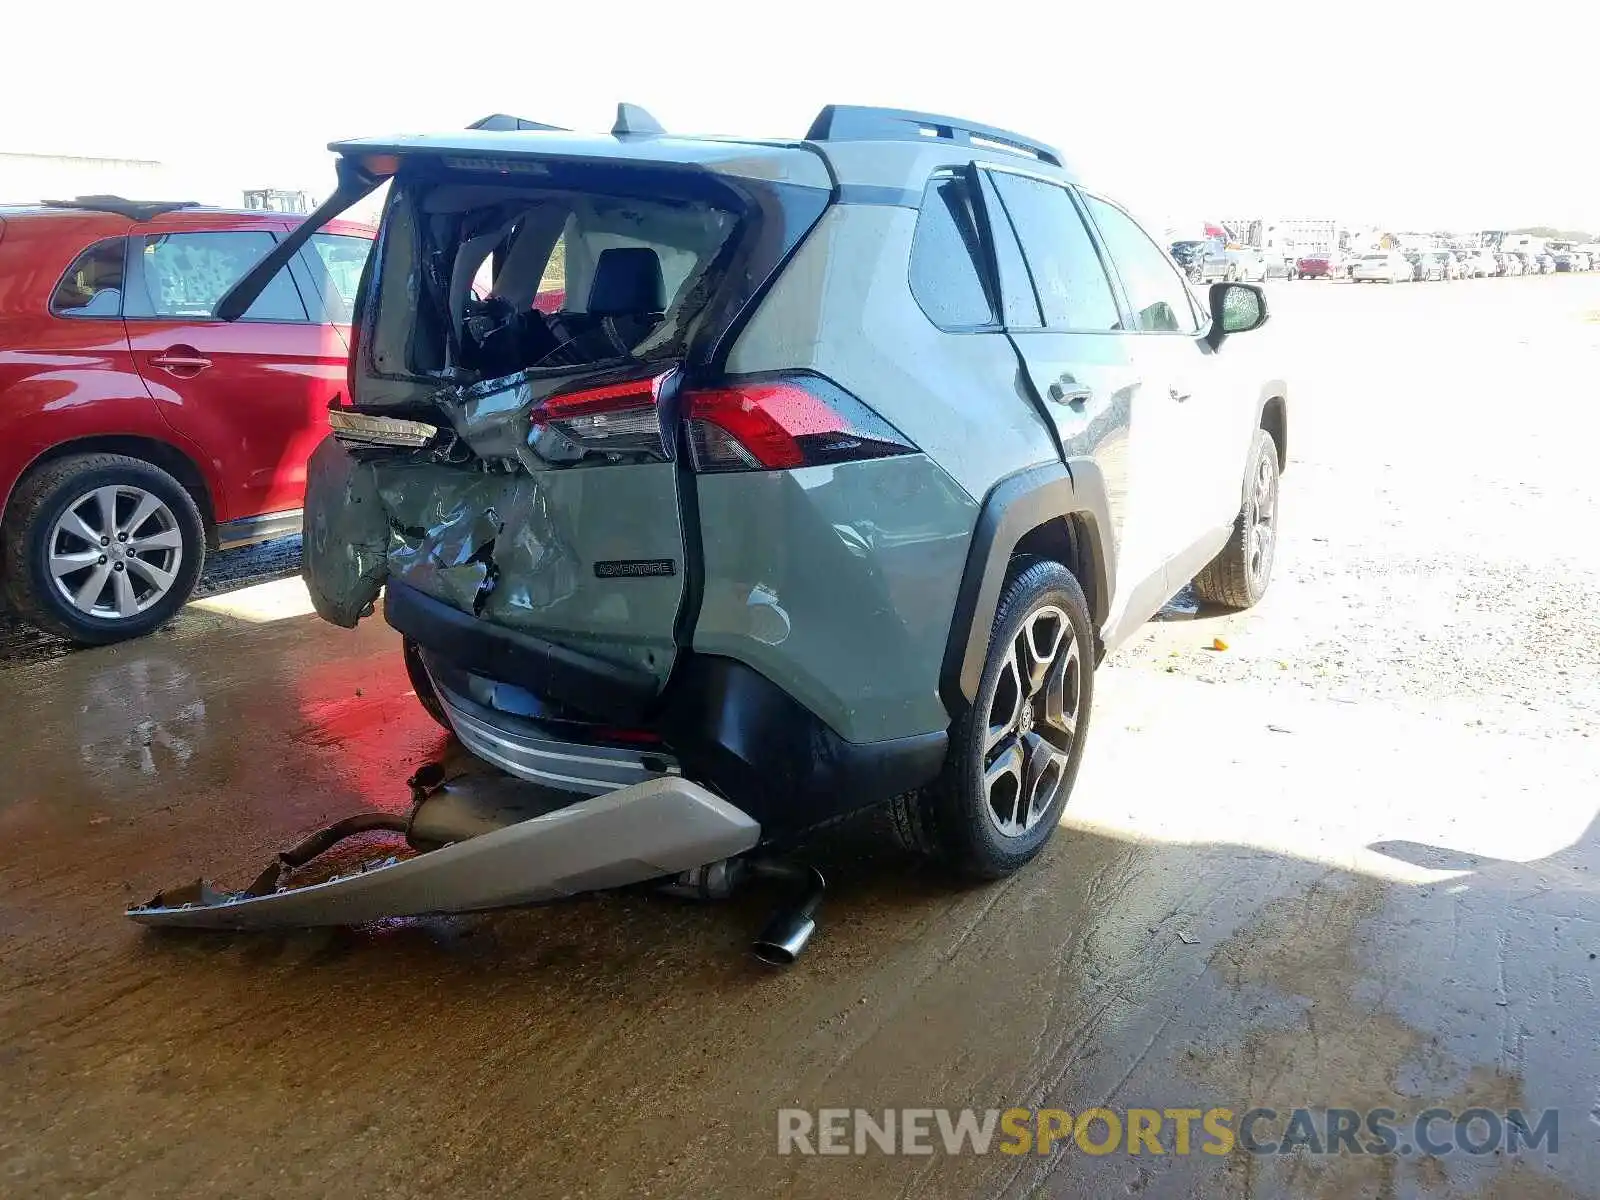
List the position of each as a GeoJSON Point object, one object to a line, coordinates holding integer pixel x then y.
{"type": "Point", "coordinates": [1276, 266]}
{"type": "Point", "coordinates": [1384, 266]}
{"type": "Point", "coordinates": [1313, 266]}
{"type": "Point", "coordinates": [1231, 264]}
{"type": "Point", "coordinates": [1547, 264]}
{"type": "Point", "coordinates": [135, 430]}
{"type": "Point", "coordinates": [1189, 255]}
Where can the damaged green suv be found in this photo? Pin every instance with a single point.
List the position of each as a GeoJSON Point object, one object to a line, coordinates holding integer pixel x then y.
{"type": "Point", "coordinates": [820, 472]}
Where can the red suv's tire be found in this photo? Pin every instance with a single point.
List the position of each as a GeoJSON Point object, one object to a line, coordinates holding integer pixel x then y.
{"type": "Point", "coordinates": [101, 547]}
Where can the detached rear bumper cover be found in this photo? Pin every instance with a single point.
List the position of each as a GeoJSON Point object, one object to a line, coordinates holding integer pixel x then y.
{"type": "Point", "coordinates": [659, 827]}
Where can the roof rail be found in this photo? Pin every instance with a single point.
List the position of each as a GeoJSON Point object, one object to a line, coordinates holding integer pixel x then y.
{"type": "Point", "coordinates": [134, 210]}
{"type": "Point", "coordinates": [500, 122]}
{"type": "Point", "coordinates": [851, 122]}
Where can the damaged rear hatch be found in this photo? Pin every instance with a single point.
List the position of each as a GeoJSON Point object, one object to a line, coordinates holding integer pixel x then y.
{"type": "Point", "coordinates": [512, 454]}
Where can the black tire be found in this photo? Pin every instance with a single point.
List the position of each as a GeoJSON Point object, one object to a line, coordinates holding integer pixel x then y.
{"type": "Point", "coordinates": [951, 821]}
{"type": "Point", "coordinates": [42, 499]}
{"type": "Point", "coordinates": [1235, 578]}
{"type": "Point", "coordinates": [421, 684]}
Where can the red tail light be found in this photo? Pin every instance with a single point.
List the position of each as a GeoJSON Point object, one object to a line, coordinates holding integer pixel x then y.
{"type": "Point", "coordinates": [619, 419]}
{"type": "Point", "coordinates": [778, 423]}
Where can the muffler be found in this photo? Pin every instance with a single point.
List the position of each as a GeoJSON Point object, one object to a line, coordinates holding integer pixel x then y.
{"type": "Point", "coordinates": [788, 929]}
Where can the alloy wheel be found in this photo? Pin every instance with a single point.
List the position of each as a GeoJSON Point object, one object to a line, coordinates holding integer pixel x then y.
{"type": "Point", "coordinates": [115, 551]}
{"type": "Point", "coordinates": [1032, 721]}
{"type": "Point", "coordinates": [1263, 528]}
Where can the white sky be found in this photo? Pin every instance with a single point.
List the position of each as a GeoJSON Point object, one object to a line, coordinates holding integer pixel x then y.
{"type": "Point", "coordinates": [1404, 113]}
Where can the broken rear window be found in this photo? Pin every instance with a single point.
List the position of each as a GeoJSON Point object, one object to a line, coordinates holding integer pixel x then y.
{"type": "Point", "coordinates": [479, 280]}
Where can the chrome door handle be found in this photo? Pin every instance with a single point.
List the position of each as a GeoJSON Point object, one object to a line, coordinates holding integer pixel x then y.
{"type": "Point", "coordinates": [180, 360]}
{"type": "Point", "coordinates": [1074, 396]}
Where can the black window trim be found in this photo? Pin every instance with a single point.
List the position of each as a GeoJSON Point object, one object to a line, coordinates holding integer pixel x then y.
{"type": "Point", "coordinates": [133, 272]}
{"type": "Point", "coordinates": [986, 263]}
{"type": "Point", "coordinates": [68, 315]}
{"type": "Point", "coordinates": [1118, 294]}
{"type": "Point", "coordinates": [1130, 318]}
{"type": "Point", "coordinates": [994, 223]}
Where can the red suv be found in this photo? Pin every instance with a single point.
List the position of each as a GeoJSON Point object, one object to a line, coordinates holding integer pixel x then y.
{"type": "Point", "coordinates": [135, 430]}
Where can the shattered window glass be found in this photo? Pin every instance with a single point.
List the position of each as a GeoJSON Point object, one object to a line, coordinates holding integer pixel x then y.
{"type": "Point", "coordinates": [185, 274]}
{"type": "Point", "coordinates": [496, 279]}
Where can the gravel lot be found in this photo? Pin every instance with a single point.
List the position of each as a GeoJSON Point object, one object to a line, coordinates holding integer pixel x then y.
{"type": "Point", "coordinates": [1347, 861]}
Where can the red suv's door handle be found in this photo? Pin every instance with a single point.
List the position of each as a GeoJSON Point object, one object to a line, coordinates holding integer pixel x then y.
{"type": "Point", "coordinates": [183, 361]}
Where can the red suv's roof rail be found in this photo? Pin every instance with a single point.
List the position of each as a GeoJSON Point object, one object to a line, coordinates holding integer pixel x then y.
{"type": "Point", "coordinates": [134, 210]}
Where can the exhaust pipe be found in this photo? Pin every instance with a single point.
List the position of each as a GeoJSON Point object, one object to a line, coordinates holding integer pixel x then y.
{"type": "Point", "coordinates": [791, 927]}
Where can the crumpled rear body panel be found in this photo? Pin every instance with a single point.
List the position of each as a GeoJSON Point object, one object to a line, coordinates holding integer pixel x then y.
{"type": "Point", "coordinates": [345, 551]}
{"type": "Point", "coordinates": [514, 547]}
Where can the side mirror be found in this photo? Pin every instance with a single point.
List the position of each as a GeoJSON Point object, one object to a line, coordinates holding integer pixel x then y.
{"type": "Point", "coordinates": [1235, 308]}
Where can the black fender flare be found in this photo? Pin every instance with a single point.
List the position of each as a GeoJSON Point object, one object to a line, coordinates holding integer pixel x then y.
{"type": "Point", "coordinates": [1272, 391]}
{"type": "Point", "coordinates": [1014, 506]}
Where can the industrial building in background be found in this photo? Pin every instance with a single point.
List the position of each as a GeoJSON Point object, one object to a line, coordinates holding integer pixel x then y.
{"type": "Point", "coordinates": [29, 178]}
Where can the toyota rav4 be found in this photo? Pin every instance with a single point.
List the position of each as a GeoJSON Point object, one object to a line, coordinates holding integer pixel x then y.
{"type": "Point", "coordinates": [837, 468]}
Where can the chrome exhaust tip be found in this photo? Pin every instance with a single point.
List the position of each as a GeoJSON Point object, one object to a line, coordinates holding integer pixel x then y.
{"type": "Point", "coordinates": [785, 936]}
{"type": "Point", "coordinates": [790, 928]}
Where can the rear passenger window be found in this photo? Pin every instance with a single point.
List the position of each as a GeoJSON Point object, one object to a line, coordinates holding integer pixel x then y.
{"type": "Point", "coordinates": [1072, 285]}
{"type": "Point", "coordinates": [342, 258]}
{"type": "Point", "coordinates": [948, 278]}
{"type": "Point", "coordinates": [92, 286]}
{"type": "Point", "coordinates": [1159, 296]}
{"type": "Point", "coordinates": [185, 274]}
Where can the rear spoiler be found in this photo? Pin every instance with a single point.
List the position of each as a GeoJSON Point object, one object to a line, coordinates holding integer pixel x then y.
{"type": "Point", "coordinates": [356, 181]}
{"type": "Point", "coordinates": [360, 178]}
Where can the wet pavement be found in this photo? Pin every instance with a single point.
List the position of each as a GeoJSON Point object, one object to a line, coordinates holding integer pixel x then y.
{"type": "Point", "coordinates": [1349, 862]}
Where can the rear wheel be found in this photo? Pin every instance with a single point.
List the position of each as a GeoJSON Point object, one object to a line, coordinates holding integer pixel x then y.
{"type": "Point", "coordinates": [1014, 755]}
{"type": "Point", "coordinates": [1238, 576]}
{"type": "Point", "coordinates": [102, 547]}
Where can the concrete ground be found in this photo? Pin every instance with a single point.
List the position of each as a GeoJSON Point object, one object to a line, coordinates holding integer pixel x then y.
{"type": "Point", "coordinates": [1349, 861]}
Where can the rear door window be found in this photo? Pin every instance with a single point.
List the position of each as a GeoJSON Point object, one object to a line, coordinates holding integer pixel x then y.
{"type": "Point", "coordinates": [1156, 291]}
{"type": "Point", "coordinates": [1074, 292]}
{"type": "Point", "coordinates": [92, 286]}
{"type": "Point", "coordinates": [948, 274]}
{"type": "Point", "coordinates": [183, 275]}
{"type": "Point", "coordinates": [341, 257]}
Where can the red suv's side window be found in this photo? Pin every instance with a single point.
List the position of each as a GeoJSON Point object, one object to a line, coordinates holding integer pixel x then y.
{"type": "Point", "coordinates": [92, 286]}
{"type": "Point", "coordinates": [185, 274]}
